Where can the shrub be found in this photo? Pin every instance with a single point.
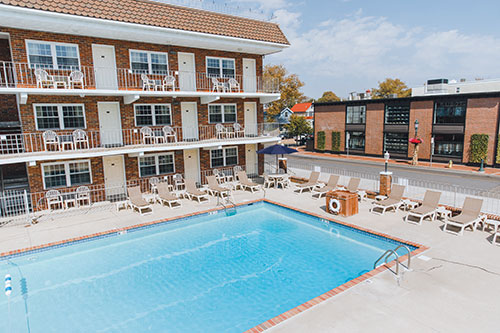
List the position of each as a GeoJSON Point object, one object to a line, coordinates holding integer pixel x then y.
{"type": "Point", "coordinates": [498, 151]}
{"type": "Point", "coordinates": [321, 141]}
{"type": "Point", "coordinates": [478, 148]}
{"type": "Point", "coordinates": [336, 141]}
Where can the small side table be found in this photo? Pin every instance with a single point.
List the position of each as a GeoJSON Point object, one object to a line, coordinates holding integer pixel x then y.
{"type": "Point", "coordinates": [121, 205]}
{"type": "Point", "coordinates": [362, 195]}
{"type": "Point", "coordinates": [409, 205]}
{"type": "Point", "coordinates": [443, 212]}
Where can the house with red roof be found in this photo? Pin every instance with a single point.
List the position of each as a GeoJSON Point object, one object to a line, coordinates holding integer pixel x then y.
{"type": "Point", "coordinates": [305, 110]}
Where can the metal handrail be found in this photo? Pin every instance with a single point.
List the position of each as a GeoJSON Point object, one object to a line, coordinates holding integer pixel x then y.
{"type": "Point", "coordinates": [409, 254]}
{"type": "Point", "coordinates": [386, 255]}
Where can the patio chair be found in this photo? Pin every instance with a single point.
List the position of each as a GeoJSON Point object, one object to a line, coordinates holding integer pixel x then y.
{"type": "Point", "coordinates": [43, 78]}
{"type": "Point", "coordinates": [222, 132]}
{"type": "Point", "coordinates": [147, 135]}
{"type": "Point", "coordinates": [245, 183]}
{"type": "Point", "coordinates": [50, 138]}
{"type": "Point", "coordinates": [178, 181]}
{"type": "Point", "coordinates": [284, 181]}
{"type": "Point", "coordinates": [427, 209]}
{"type": "Point", "coordinates": [215, 189]}
{"type": "Point", "coordinates": [268, 182]}
{"type": "Point", "coordinates": [392, 202]}
{"type": "Point", "coordinates": [330, 186]}
{"type": "Point", "coordinates": [136, 201]}
{"type": "Point", "coordinates": [76, 78]}
{"type": "Point", "coordinates": [168, 132]}
{"type": "Point", "coordinates": [238, 130]}
{"type": "Point", "coordinates": [469, 217]}
{"type": "Point", "coordinates": [310, 184]}
{"type": "Point", "coordinates": [54, 198]}
{"type": "Point", "coordinates": [168, 82]}
{"type": "Point", "coordinates": [167, 197]}
{"type": "Point", "coordinates": [147, 83]}
{"type": "Point", "coordinates": [193, 192]}
{"type": "Point", "coordinates": [220, 177]}
{"type": "Point", "coordinates": [153, 184]}
{"type": "Point", "coordinates": [217, 85]}
{"type": "Point", "coordinates": [80, 138]}
{"type": "Point", "coordinates": [233, 85]}
{"type": "Point", "coordinates": [83, 196]}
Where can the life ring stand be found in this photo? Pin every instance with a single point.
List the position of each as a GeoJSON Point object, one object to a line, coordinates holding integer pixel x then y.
{"type": "Point", "coordinates": [334, 206]}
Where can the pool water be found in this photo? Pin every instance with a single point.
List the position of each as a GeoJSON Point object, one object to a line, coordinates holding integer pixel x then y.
{"type": "Point", "coordinates": [208, 273]}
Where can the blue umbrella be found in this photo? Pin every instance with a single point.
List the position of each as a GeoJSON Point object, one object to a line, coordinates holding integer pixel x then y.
{"type": "Point", "coordinates": [277, 150]}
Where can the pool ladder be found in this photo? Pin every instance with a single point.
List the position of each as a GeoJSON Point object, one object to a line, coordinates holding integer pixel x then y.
{"type": "Point", "coordinates": [225, 202]}
{"type": "Point", "coordinates": [390, 253]}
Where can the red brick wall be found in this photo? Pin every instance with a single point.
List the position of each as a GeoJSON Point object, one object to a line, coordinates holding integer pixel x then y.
{"type": "Point", "coordinates": [374, 134]}
{"type": "Point", "coordinates": [482, 118]}
{"type": "Point", "coordinates": [423, 111]}
{"type": "Point", "coordinates": [329, 118]}
{"type": "Point", "coordinates": [8, 108]}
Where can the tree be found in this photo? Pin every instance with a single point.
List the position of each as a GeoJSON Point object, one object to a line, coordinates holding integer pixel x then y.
{"type": "Point", "coordinates": [328, 96]}
{"type": "Point", "coordinates": [391, 86]}
{"type": "Point", "coordinates": [298, 126]}
{"type": "Point", "coordinates": [289, 87]}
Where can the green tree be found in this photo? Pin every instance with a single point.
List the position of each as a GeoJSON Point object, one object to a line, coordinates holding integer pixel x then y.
{"type": "Point", "coordinates": [298, 126]}
{"type": "Point", "coordinates": [391, 86]}
{"type": "Point", "coordinates": [328, 96]}
{"type": "Point", "coordinates": [289, 87]}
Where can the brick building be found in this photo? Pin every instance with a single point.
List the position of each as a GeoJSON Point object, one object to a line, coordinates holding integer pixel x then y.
{"type": "Point", "coordinates": [93, 93]}
{"type": "Point", "coordinates": [447, 119]}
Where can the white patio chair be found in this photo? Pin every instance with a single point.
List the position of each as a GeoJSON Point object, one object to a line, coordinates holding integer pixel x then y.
{"type": "Point", "coordinates": [147, 83]}
{"type": "Point", "coordinates": [80, 137]}
{"type": "Point", "coordinates": [222, 132]}
{"type": "Point", "coordinates": [238, 130]}
{"type": "Point", "coordinates": [50, 138]}
{"type": "Point", "coordinates": [147, 135]}
{"type": "Point", "coordinates": [233, 85]}
{"type": "Point", "coordinates": [168, 81]}
{"type": "Point", "coordinates": [76, 77]}
{"type": "Point", "coordinates": [218, 86]}
{"type": "Point", "coordinates": [83, 196]}
{"type": "Point", "coordinates": [169, 132]}
{"type": "Point", "coordinates": [221, 178]}
{"type": "Point", "coordinates": [178, 181]}
{"type": "Point", "coordinates": [43, 78]}
{"type": "Point", "coordinates": [54, 198]}
{"type": "Point", "coordinates": [153, 184]}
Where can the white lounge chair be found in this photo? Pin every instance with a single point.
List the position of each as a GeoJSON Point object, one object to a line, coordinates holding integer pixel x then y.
{"type": "Point", "coordinates": [245, 183]}
{"type": "Point", "coordinates": [136, 201]}
{"type": "Point", "coordinates": [193, 192]}
{"type": "Point", "coordinates": [166, 197]}
{"type": "Point", "coordinates": [392, 202]}
{"type": "Point", "coordinates": [468, 218]}
{"type": "Point", "coordinates": [427, 209]}
{"type": "Point", "coordinates": [330, 186]}
{"type": "Point", "coordinates": [310, 184]}
{"type": "Point", "coordinates": [215, 189]}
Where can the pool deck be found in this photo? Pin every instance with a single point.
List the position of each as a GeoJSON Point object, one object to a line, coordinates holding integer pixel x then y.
{"type": "Point", "coordinates": [453, 286]}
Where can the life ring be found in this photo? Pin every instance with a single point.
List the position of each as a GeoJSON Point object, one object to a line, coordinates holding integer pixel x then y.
{"type": "Point", "coordinates": [334, 206]}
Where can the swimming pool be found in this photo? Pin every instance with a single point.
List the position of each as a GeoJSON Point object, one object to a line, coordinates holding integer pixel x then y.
{"type": "Point", "coordinates": [210, 273]}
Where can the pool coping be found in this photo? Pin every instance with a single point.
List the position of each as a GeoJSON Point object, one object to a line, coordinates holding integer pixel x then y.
{"type": "Point", "coordinates": [270, 322]}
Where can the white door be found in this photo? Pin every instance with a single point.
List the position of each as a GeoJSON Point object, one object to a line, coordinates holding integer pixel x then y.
{"type": "Point", "coordinates": [104, 66]}
{"type": "Point", "coordinates": [187, 77]}
{"type": "Point", "coordinates": [189, 114]}
{"type": "Point", "coordinates": [249, 76]}
{"type": "Point", "coordinates": [250, 118]}
{"type": "Point", "coordinates": [114, 177]}
{"type": "Point", "coordinates": [192, 164]}
{"type": "Point", "coordinates": [110, 123]}
{"type": "Point", "coordinates": [251, 159]}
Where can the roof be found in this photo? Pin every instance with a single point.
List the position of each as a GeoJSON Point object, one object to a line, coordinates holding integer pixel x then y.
{"type": "Point", "coordinates": [163, 15]}
{"type": "Point", "coordinates": [301, 107]}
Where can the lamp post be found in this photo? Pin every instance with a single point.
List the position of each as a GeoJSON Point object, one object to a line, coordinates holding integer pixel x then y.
{"type": "Point", "coordinates": [386, 157]}
{"type": "Point", "coordinates": [416, 128]}
{"type": "Point", "coordinates": [416, 143]}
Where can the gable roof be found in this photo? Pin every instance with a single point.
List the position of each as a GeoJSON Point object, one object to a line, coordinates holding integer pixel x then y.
{"type": "Point", "coordinates": [301, 107]}
{"type": "Point", "coordinates": [160, 14]}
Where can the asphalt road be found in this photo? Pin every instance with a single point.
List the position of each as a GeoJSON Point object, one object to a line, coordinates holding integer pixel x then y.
{"type": "Point", "coordinates": [482, 182]}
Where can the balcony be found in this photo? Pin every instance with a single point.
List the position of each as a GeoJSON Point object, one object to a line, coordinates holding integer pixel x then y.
{"type": "Point", "coordinates": [89, 80]}
{"type": "Point", "coordinates": [64, 144]}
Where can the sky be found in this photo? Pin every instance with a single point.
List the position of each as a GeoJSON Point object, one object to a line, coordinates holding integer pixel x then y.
{"type": "Point", "coordinates": [351, 45]}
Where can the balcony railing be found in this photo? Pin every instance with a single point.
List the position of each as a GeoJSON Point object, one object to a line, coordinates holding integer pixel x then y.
{"type": "Point", "coordinates": [23, 75]}
{"type": "Point", "coordinates": [70, 141]}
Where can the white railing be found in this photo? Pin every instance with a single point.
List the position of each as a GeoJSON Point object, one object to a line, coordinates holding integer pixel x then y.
{"type": "Point", "coordinates": [34, 142]}
{"type": "Point", "coordinates": [229, 173]}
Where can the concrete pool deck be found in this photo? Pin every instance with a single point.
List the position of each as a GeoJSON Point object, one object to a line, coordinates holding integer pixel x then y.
{"type": "Point", "coordinates": [454, 286]}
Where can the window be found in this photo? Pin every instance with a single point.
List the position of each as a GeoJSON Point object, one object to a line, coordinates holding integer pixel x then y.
{"type": "Point", "coordinates": [148, 62]}
{"type": "Point", "coordinates": [155, 165]}
{"type": "Point", "coordinates": [397, 114]}
{"type": "Point", "coordinates": [396, 143]}
{"type": "Point", "coordinates": [450, 112]}
{"type": "Point", "coordinates": [62, 116]}
{"type": "Point", "coordinates": [223, 157]}
{"type": "Point", "coordinates": [220, 67]}
{"type": "Point", "coordinates": [355, 140]}
{"type": "Point", "coordinates": [52, 55]}
{"type": "Point", "coordinates": [152, 114]}
{"type": "Point", "coordinates": [356, 114]}
{"type": "Point", "coordinates": [449, 145]}
{"type": "Point", "coordinates": [66, 174]}
{"type": "Point", "coordinates": [221, 113]}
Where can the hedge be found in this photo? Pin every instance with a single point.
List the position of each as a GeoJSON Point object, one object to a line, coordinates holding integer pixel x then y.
{"type": "Point", "coordinates": [321, 141]}
{"type": "Point", "coordinates": [336, 141]}
{"type": "Point", "coordinates": [478, 148]}
{"type": "Point", "coordinates": [498, 151]}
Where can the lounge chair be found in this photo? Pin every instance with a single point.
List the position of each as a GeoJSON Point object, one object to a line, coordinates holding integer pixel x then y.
{"type": "Point", "coordinates": [353, 185]}
{"type": "Point", "coordinates": [330, 186]}
{"type": "Point", "coordinates": [193, 192]}
{"type": "Point", "coordinates": [427, 209]}
{"type": "Point", "coordinates": [310, 184]}
{"type": "Point", "coordinates": [136, 201]}
{"type": "Point", "coordinates": [469, 217]}
{"type": "Point", "coordinates": [166, 197]}
{"type": "Point", "coordinates": [393, 201]}
{"type": "Point", "coordinates": [245, 183]}
{"type": "Point", "coordinates": [215, 189]}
